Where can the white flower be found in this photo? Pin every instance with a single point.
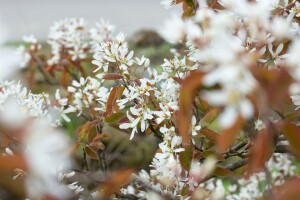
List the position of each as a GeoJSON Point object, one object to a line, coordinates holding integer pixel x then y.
{"type": "Point", "coordinates": [195, 127]}
{"type": "Point", "coordinates": [259, 125]}
{"type": "Point", "coordinates": [236, 83]}
{"type": "Point", "coordinates": [296, 100]}
{"type": "Point", "coordinates": [8, 151]}
{"type": "Point", "coordinates": [46, 155]}
{"type": "Point", "coordinates": [25, 57]}
{"type": "Point", "coordinates": [173, 30]}
{"type": "Point", "coordinates": [294, 11]}
{"type": "Point", "coordinates": [67, 35]}
{"type": "Point", "coordinates": [284, 29]}
{"type": "Point", "coordinates": [275, 55]}
{"type": "Point", "coordinates": [140, 116]}
{"type": "Point", "coordinates": [293, 58]}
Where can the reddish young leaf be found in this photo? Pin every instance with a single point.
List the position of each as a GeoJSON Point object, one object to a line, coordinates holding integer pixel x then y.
{"type": "Point", "coordinates": [65, 78]}
{"type": "Point", "coordinates": [178, 1]}
{"type": "Point", "coordinates": [178, 80]}
{"type": "Point", "coordinates": [92, 133]}
{"type": "Point", "coordinates": [83, 131]}
{"type": "Point", "coordinates": [288, 191]}
{"type": "Point", "coordinates": [91, 153]}
{"type": "Point", "coordinates": [209, 134]}
{"type": "Point", "coordinates": [228, 135]}
{"type": "Point", "coordinates": [115, 182]}
{"type": "Point", "coordinates": [275, 84]}
{"type": "Point", "coordinates": [292, 133]}
{"type": "Point", "coordinates": [262, 150]}
{"type": "Point", "coordinates": [188, 91]}
{"type": "Point", "coordinates": [112, 76]}
{"type": "Point", "coordinates": [9, 163]}
{"type": "Point", "coordinates": [115, 94]}
{"type": "Point", "coordinates": [219, 171]}
{"type": "Point", "coordinates": [215, 5]}
{"type": "Point", "coordinates": [97, 145]}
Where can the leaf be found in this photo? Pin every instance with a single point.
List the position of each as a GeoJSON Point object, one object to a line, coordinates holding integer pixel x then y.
{"type": "Point", "coordinates": [191, 3]}
{"type": "Point", "coordinates": [214, 4]}
{"type": "Point", "coordinates": [65, 78]}
{"type": "Point", "coordinates": [9, 163]}
{"type": "Point", "coordinates": [115, 117]}
{"type": "Point", "coordinates": [209, 117]}
{"type": "Point", "coordinates": [189, 7]}
{"type": "Point", "coordinates": [115, 182]}
{"type": "Point", "coordinates": [202, 105]}
{"type": "Point", "coordinates": [188, 12]}
{"type": "Point", "coordinates": [115, 94]}
{"type": "Point", "coordinates": [83, 131]}
{"type": "Point", "coordinates": [178, 1]}
{"type": "Point", "coordinates": [219, 171]}
{"type": "Point", "coordinates": [228, 135]}
{"type": "Point", "coordinates": [292, 134]}
{"type": "Point", "coordinates": [178, 80]}
{"type": "Point", "coordinates": [209, 134]}
{"type": "Point", "coordinates": [288, 191]}
{"type": "Point", "coordinates": [187, 94]}
{"type": "Point", "coordinates": [275, 84]}
{"type": "Point", "coordinates": [186, 157]}
{"type": "Point", "coordinates": [262, 150]}
{"type": "Point", "coordinates": [92, 133]}
{"type": "Point", "coordinates": [112, 76]}
{"type": "Point", "coordinates": [91, 153]}
{"type": "Point", "coordinates": [97, 145]}
{"type": "Point", "coordinates": [188, 91]}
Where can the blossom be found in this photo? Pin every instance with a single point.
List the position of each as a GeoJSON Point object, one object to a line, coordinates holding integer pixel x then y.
{"type": "Point", "coordinates": [66, 36]}
{"type": "Point", "coordinates": [259, 125]}
{"type": "Point", "coordinates": [113, 52]}
{"type": "Point", "coordinates": [46, 155]}
{"type": "Point", "coordinates": [294, 11]}
{"type": "Point", "coordinates": [173, 30]}
{"type": "Point", "coordinates": [237, 83]}
{"type": "Point", "coordinates": [139, 116]}
{"type": "Point", "coordinates": [195, 127]}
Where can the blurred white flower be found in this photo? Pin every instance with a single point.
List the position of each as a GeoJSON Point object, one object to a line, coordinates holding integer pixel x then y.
{"type": "Point", "coordinates": [294, 11]}
{"type": "Point", "coordinates": [173, 30]}
{"type": "Point", "coordinates": [259, 125]}
{"type": "Point", "coordinates": [46, 155]}
{"type": "Point", "coordinates": [9, 63]}
{"type": "Point", "coordinates": [283, 31]}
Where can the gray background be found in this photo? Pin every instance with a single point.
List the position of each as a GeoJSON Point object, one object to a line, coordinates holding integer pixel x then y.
{"type": "Point", "coordinates": [24, 17]}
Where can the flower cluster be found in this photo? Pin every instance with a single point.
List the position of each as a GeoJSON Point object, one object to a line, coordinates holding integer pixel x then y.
{"type": "Point", "coordinates": [218, 104]}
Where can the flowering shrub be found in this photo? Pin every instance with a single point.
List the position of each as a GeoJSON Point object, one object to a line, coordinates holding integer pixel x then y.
{"type": "Point", "coordinates": [222, 113]}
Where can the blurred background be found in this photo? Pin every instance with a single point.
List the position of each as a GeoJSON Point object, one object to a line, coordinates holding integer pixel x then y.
{"type": "Point", "coordinates": [26, 17]}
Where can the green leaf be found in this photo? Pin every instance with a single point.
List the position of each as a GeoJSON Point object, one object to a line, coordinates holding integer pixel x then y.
{"type": "Point", "coordinates": [115, 117]}
{"type": "Point", "coordinates": [209, 117]}
{"type": "Point", "coordinates": [186, 157]}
